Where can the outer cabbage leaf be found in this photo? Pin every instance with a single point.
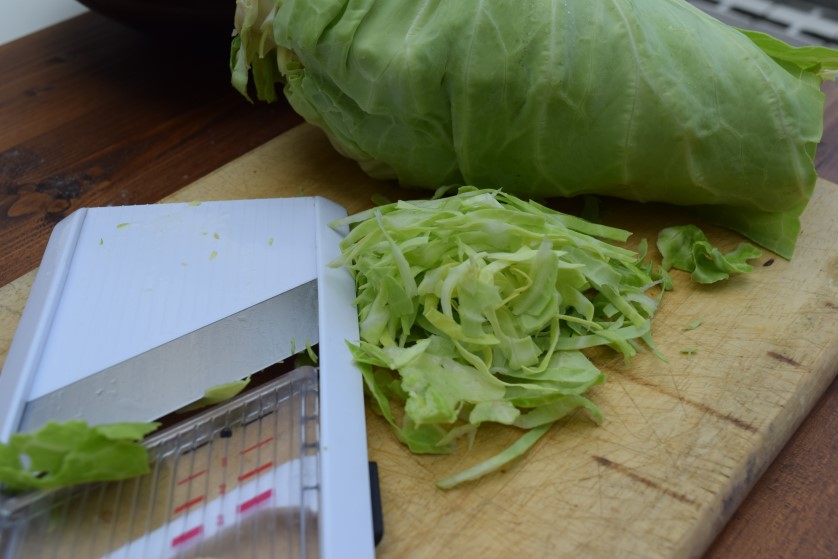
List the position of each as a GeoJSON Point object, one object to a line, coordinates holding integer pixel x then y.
{"type": "Point", "coordinates": [639, 99]}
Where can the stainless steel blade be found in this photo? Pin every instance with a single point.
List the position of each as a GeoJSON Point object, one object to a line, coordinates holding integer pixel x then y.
{"type": "Point", "coordinates": [164, 379]}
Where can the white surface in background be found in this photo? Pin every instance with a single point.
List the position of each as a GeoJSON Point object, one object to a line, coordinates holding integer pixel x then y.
{"type": "Point", "coordinates": [22, 17]}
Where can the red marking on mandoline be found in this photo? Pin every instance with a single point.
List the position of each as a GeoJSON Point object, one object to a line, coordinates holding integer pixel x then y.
{"type": "Point", "coordinates": [256, 471]}
{"type": "Point", "coordinates": [186, 536]}
{"type": "Point", "coordinates": [188, 504]}
{"type": "Point", "coordinates": [258, 499]}
{"type": "Point", "coordinates": [257, 445]}
{"type": "Point", "coordinates": [190, 478]}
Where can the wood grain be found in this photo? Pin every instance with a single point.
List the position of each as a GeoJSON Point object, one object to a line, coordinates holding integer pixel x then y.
{"type": "Point", "coordinates": [781, 516]}
{"type": "Point", "coordinates": [93, 114]}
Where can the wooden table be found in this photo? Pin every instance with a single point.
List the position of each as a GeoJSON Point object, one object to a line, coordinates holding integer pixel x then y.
{"type": "Point", "coordinates": [94, 114]}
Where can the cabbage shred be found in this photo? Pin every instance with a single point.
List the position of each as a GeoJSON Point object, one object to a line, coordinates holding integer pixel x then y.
{"type": "Point", "coordinates": [478, 307]}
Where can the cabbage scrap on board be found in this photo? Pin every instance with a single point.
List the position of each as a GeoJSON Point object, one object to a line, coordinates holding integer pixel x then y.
{"type": "Point", "coordinates": [686, 248]}
{"type": "Point", "coordinates": [478, 307]}
{"type": "Point", "coordinates": [649, 100]}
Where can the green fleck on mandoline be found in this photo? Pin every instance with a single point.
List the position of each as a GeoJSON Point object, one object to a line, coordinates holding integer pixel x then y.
{"type": "Point", "coordinates": [217, 394]}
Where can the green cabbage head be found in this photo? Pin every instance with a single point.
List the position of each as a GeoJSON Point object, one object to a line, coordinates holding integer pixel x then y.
{"type": "Point", "coordinates": [649, 100]}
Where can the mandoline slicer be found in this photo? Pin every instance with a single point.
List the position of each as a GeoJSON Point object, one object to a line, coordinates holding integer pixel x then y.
{"type": "Point", "coordinates": [134, 313]}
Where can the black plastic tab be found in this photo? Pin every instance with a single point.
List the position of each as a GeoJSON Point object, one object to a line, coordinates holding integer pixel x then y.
{"type": "Point", "coordinates": [377, 513]}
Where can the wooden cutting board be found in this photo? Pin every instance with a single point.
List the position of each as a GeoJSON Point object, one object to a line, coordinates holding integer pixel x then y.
{"type": "Point", "coordinates": [683, 441]}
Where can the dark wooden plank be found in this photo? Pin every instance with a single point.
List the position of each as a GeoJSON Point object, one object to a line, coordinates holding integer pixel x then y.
{"type": "Point", "coordinates": [793, 509]}
{"type": "Point", "coordinates": [93, 113]}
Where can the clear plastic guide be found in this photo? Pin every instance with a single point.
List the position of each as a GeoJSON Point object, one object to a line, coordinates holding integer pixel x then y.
{"type": "Point", "coordinates": [240, 480]}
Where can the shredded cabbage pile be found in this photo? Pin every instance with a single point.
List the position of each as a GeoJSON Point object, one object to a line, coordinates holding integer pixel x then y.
{"type": "Point", "coordinates": [477, 307]}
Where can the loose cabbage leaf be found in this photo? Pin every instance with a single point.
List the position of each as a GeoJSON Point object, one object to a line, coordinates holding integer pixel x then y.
{"type": "Point", "coordinates": [477, 308]}
{"type": "Point", "coordinates": [817, 59]}
{"type": "Point", "coordinates": [217, 394]}
{"type": "Point", "coordinates": [64, 454]}
{"type": "Point", "coordinates": [638, 99]}
{"type": "Point", "coordinates": [686, 248]}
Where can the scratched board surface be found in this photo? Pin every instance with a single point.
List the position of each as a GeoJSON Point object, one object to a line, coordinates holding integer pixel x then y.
{"type": "Point", "coordinates": [682, 441]}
